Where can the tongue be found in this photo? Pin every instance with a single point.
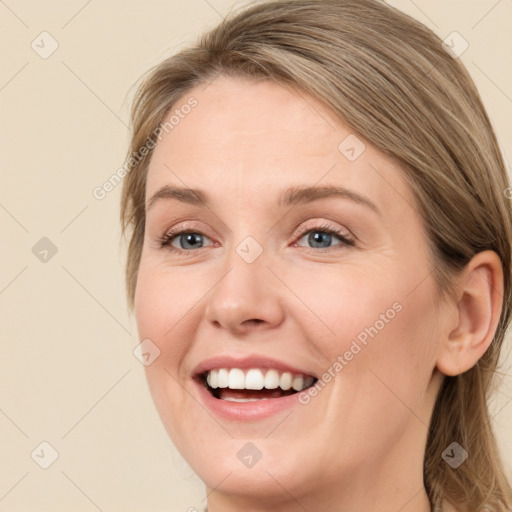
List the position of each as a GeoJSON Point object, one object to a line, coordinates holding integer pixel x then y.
{"type": "Point", "coordinates": [224, 393]}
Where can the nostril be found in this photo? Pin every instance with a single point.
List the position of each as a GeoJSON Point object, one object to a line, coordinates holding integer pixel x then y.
{"type": "Point", "coordinates": [255, 321]}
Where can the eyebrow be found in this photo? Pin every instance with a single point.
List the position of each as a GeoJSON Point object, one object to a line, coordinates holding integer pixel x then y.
{"type": "Point", "coordinates": [291, 197]}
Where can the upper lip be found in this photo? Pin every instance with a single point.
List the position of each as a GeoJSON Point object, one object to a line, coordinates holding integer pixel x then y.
{"type": "Point", "coordinates": [253, 361]}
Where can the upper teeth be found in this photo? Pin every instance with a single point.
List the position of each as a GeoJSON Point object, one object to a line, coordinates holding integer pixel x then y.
{"type": "Point", "coordinates": [235, 378]}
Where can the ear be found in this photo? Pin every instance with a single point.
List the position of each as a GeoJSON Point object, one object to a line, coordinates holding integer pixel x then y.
{"type": "Point", "coordinates": [478, 312]}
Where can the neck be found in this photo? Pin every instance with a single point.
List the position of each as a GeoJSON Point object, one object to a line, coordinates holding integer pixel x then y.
{"type": "Point", "coordinates": [418, 503]}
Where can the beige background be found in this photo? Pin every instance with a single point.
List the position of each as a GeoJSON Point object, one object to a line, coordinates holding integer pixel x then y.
{"type": "Point", "coordinates": [69, 376]}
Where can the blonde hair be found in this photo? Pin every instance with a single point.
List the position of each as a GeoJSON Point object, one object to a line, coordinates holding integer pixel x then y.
{"type": "Point", "coordinates": [390, 80]}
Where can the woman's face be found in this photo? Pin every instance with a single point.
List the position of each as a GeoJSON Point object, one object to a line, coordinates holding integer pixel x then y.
{"type": "Point", "coordinates": [275, 285]}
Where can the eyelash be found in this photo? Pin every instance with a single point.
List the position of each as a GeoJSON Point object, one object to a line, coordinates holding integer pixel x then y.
{"type": "Point", "coordinates": [167, 238]}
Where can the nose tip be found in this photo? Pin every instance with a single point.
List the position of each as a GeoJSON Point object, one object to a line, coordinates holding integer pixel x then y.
{"type": "Point", "coordinates": [242, 316]}
{"type": "Point", "coordinates": [246, 298]}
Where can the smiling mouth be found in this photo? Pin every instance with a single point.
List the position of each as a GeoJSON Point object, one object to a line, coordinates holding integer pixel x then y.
{"type": "Point", "coordinates": [254, 384]}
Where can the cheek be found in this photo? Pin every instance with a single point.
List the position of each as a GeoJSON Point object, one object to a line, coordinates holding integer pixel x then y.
{"type": "Point", "coordinates": [158, 309]}
{"type": "Point", "coordinates": [166, 309]}
{"type": "Point", "coordinates": [384, 336]}
{"type": "Point", "coordinates": [395, 330]}
{"type": "Point", "coordinates": [345, 304]}
{"type": "Point", "coordinates": [375, 319]}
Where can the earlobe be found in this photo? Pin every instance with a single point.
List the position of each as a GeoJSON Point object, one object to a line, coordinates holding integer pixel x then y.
{"type": "Point", "coordinates": [478, 312]}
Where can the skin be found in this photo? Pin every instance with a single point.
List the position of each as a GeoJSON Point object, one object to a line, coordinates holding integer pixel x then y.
{"type": "Point", "coordinates": [359, 444]}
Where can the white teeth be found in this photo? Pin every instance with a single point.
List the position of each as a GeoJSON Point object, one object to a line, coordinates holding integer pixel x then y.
{"type": "Point", "coordinates": [297, 382]}
{"type": "Point", "coordinates": [223, 380]}
{"type": "Point", "coordinates": [285, 382]}
{"type": "Point", "coordinates": [272, 379]}
{"type": "Point", "coordinates": [256, 379]}
{"type": "Point", "coordinates": [236, 379]}
{"type": "Point", "coordinates": [212, 379]}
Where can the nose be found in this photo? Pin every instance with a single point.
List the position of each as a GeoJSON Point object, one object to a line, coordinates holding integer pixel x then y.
{"type": "Point", "coordinates": [246, 297]}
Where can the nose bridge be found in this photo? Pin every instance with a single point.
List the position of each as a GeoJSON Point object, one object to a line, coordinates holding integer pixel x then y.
{"type": "Point", "coordinates": [244, 293]}
{"type": "Point", "coordinates": [245, 277]}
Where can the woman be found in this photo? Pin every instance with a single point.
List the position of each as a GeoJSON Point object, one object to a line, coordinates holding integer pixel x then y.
{"type": "Point", "coordinates": [319, 259]}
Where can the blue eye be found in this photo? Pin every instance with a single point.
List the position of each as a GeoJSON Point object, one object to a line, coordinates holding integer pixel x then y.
{"type": "Point", "coordinates": [192, 239]}
{"type": "Point", "coordinates": [318, 237]}
{"type": "Point", "coordinates": [321, 235]}
{"type": "Point", "coordinates": [189, 240]}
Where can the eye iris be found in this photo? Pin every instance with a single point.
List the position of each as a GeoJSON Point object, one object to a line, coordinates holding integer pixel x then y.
{"type": "Point", "coordinates": [193, 238]}
{"type": "Point", "coordinates": [317, 237]}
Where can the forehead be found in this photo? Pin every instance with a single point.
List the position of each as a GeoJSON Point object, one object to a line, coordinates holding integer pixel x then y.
{"type": "Point", "coordinates": [257, 138]}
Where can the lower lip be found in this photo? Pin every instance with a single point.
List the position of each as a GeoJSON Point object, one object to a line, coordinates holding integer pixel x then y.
{"type": "Point", "coordinates": [245, 411]}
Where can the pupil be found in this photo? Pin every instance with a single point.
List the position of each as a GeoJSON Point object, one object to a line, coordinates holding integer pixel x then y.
{"type": "Point", "coordinates": [317, 236]}
{"type": "Point", "coordinates": [193, 238]}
